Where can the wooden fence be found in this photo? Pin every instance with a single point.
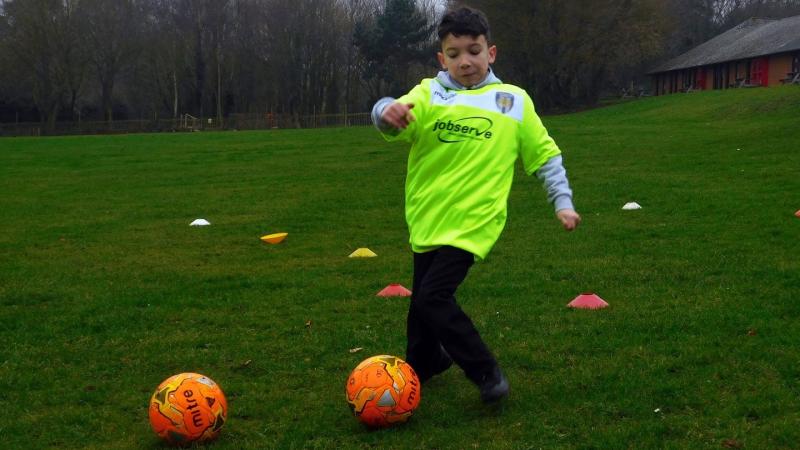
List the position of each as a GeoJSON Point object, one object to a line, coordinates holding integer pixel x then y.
{"type": "Point", "coordinates": [188, 123]}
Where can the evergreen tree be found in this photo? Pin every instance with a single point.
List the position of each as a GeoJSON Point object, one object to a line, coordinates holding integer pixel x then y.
{"type": "Point", "coordinates": [399, 37]}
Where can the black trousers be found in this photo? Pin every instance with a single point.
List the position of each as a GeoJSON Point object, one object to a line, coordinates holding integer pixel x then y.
{"type": "Point", "coordinates": [435, 320]}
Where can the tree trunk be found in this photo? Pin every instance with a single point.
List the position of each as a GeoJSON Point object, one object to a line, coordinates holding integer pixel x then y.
{"type": "Point", "coordinates": [174, 95]}
{"type": "Point", "coordinates": [108, 107]}
{"type": "Point", "coordinates": [72, 101]}
{"type": "Point", "coordinates": [219, 89]}
{"type": "Point", "coordinates": [52, 114]}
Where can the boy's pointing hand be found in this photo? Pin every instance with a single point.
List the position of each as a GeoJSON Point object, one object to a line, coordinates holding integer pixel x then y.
{"type": "Point", "coordinates": [398, 115]}
{"type": "Point", "coordinates": [569, 218]}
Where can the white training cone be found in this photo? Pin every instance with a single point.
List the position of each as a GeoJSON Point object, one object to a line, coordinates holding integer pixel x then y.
{"type": "Point", "coordinates": [631, 206]}
{"type": "Point", "coordinates": [200, 223]}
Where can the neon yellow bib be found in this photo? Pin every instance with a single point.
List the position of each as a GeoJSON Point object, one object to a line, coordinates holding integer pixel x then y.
{"type": "Point", "coordinates": [461, 165]}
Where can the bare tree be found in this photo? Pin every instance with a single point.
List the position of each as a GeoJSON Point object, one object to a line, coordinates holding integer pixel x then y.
{"type": "Point", "coordinates": [154, 57]}
{"type": "Point", "coordinates": [112, 28]}
{"type": "Point", "coordinates": [41, 38]}
{"type": "Point", "coordinates": [165, 55]}
{"type": "Point", "coordinates": [734, 12]}
{"type": "Point", "coordinates": [74, 55]}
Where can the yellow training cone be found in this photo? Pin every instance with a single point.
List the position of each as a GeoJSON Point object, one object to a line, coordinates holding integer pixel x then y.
{"type": "Point", "coordinates": [363, 253]}
{"type": "Point", "coordinates": [274, 238]}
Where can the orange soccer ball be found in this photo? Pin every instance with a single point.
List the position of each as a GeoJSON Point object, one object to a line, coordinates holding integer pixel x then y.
{"type": "Point", "coordinates": [382, 391]}
{"type": "Point", "coordinates": [188, 408]}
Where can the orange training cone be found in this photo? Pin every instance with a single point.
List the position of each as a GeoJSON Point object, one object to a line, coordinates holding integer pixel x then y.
{"type": "Point", "coordinates": [274, 238]}
{"type": "Point", "coordinates": [394, 290]}
{"type": "Point", "coordinates": [797, 214]}
{"type": "Point", "coordinates": [587, 300]}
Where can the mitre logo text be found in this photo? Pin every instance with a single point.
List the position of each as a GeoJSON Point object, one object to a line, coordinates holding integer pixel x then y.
{"type": "Point", "coordinates": [468, 128]}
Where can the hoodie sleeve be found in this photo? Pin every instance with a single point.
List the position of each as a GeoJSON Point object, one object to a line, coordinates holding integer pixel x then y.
{"type": "Point", "coordinates": [419, 96]}
{"type": "Point", "coordinates": [555, 183]}
{"type": "Point", "coordinates": [377, 112]}
{"type": "Point", "coordinates": [535, 144]}
{"type": "Point", "coordinates": [541, 156]}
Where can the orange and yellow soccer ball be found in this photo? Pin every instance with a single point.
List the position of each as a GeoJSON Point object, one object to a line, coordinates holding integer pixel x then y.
{"type": "Point", "coordinates": [188, 408]}
{"type": "Point", "coordinates": [382, 391]}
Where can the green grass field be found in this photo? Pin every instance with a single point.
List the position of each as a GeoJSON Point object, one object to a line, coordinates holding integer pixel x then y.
{"type": "Point", "coordinates": [105, 290]}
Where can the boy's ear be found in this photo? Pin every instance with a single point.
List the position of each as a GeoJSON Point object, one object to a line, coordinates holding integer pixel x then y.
{"type": "Point", "coordinates": [492, 54]}
{"type": "Point", "coordinates": [440, 57]}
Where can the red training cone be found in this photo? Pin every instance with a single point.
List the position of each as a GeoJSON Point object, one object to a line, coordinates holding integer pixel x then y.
{"type": "Point", "coordinates": [797, 214]}
{"type": "Point", "coordinates": [587, 300]}
{"type": "Point", "coordinates": [394, 290]}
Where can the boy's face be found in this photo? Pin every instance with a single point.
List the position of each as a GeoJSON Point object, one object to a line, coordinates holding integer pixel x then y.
{"type": "Point", "coordinates": [466, 58]}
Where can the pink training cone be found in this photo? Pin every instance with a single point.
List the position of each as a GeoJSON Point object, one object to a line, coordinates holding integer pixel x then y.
{"type": "Point", "coordinates": [394, 290]}
{"type": "Point", "coordinates": [587, 300]}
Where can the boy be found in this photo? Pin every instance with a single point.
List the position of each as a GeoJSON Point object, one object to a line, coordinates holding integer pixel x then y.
{"type": "Point", "coordinates": [467, 129]}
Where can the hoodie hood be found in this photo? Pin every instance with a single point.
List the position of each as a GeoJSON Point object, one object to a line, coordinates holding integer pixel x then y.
{"type": "Point", "coordinates": [447, 81]}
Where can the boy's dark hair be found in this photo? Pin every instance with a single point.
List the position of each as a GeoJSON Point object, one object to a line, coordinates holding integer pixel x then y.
{"type": "Point", "coordinates": [464, 21]}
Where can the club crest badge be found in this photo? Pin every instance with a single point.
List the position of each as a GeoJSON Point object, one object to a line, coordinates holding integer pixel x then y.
{"type": "Point", "coordinates": [504, 101]}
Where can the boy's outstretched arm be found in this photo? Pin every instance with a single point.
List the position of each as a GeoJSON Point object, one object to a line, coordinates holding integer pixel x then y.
{"type": "Point", "coordinates": [398, 115]}
{"type": "Point", "coordinates": [569, 218]}
{"type": "Point", "coordinates": [554, 181]}
{"type": "Point", "coordinates": [388, 113]}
